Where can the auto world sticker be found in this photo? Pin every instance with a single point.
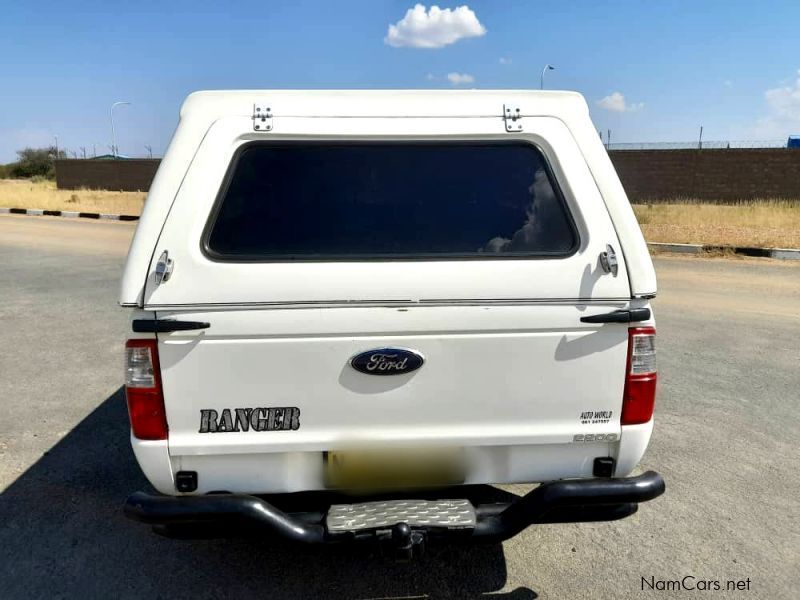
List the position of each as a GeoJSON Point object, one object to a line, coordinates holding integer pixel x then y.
{"type": "Point", "coordinates": [596, 417]}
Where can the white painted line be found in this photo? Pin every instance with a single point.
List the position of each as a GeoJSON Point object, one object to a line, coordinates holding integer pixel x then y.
{"type": "Point", "coordinates": [69, 213]}
{"type": "Point", "coordinates": [34, 211]}
{"type": "Point", "coordinates": [108, 216]}
{"type": "Point", "coordinates": [5, 210]}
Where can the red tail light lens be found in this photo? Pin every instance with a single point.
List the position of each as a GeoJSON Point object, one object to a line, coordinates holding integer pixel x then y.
{"type": "Point", "coordinates": [639, 397]}
{"type": "Point", "coordinates": [143, 390]}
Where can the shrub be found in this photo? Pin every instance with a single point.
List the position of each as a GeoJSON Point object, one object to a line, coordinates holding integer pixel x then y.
{"type": "Point", "coordinates": [36, 162]}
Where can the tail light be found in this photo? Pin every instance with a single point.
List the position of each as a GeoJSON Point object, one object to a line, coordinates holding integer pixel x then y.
{"type": "Point", "coordinates": [639, 397]}
{"type": "Point", "coordinates": [143, 390]}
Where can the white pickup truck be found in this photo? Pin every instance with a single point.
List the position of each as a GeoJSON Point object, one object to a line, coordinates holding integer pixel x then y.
{"type": "Point", "coordinates": [387, 294]}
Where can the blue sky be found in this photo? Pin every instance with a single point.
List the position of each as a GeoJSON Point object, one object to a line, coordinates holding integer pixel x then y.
{"type": "Point", "coordinates": [731, 66]}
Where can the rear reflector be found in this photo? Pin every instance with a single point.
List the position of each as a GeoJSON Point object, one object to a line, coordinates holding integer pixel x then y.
{"type": "Point", "coordinates": [143, 390]}
{"type": "Point", "coordinates": [639, 397]}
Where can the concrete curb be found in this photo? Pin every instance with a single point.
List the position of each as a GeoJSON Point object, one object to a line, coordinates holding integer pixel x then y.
{"type": "Point", "coordinates": [779, 253]}
{"type": "Point", "coordinates": [67, 213]}
{"type": "Point", "coordinates": [679, 248]}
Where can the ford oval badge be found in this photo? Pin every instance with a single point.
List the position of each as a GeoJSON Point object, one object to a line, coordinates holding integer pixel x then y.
{"type": "Point", "coordinates": [387, 361]}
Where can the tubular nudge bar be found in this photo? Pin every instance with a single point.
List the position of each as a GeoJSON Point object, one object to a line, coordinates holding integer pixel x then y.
{"type": "Point", "coordinates": [571, 501]}
{"type": "Point", "coordinates": [565, 501]}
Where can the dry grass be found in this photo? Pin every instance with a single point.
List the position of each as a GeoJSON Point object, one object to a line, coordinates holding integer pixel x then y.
{"type": "Point", "coordinates": [21, 193]}
{"type": "Point", "coordinates": [760, 223]}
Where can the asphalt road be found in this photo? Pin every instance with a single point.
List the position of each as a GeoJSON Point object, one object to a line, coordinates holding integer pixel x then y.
{"type": "Point", "coordinates": [726, 441]}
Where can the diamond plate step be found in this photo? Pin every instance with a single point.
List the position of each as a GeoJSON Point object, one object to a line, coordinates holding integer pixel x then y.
{"type": "Point", "coordinates": [452, 514]}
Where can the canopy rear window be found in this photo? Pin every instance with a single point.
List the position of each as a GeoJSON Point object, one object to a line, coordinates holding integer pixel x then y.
{"type": "Point", "coordinates": [355, 201]}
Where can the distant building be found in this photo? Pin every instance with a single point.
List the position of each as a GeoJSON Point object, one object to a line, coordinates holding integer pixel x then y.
{"type": "Point", "coordinates": [111, 157]}
{"type": "Point", "coordinates": [794, 141]}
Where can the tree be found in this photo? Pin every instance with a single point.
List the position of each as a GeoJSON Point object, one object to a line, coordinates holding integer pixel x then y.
{"type": "Point", "coordinates": [36, 161]}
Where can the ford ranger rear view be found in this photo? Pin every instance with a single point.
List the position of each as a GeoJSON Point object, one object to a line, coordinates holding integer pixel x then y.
{"type": "Point", "coordinates": [385, 298]}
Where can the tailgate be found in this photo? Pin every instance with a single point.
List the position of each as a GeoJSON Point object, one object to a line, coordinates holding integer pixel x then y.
{"type": "Point", "coordinates": [492, 375]}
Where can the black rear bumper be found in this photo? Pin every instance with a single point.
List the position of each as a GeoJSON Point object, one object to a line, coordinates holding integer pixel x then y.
{"type": "Point", "coordinates": [566, 501]}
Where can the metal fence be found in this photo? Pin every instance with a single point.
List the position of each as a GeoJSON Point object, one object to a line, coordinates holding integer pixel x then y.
{"type": "Point", "coordinates": [710, 145]}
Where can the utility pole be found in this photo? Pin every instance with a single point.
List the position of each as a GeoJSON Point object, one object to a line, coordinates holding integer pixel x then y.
{"type": "Point", "coordinates": [700, 143]}
{"type": "Point", "coordinates": [56, 146]}
{"type": "Point", "coordinates": [83, 151]}
{"type": "Point", "coordinates": [94, 150]}
{"type": "Point", "coordinates": [608, 140]}
{"type": "Point", "coordinates": [149, 150]}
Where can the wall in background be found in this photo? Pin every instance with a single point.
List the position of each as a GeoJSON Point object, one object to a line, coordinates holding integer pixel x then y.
{"type": "Point", "coordinates": [127, 175]}
{"type": "Point", "coordinates": [648, 175]}
{"type": "Point", "coordinates": [717, 175]}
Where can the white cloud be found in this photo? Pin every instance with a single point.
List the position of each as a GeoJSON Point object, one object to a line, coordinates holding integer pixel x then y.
{"type": "Point", "coordinates": [505, 61]}
{"type": "Point", "coordinates": [783, 111]}
{"type": "Point", "coordinates": [616, 103]}
{"type": "Point", "coordinates": [784, 101]}
{"type": "Point", "coordinates": [430, 76]}
{"type": "Point", "coordinates": [434, 28]}
{"type": "Point", "coordinates": [460, 78]}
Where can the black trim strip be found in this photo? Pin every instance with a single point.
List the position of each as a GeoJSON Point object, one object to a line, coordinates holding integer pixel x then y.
{"type": "Point", "coordinates": [166, 325]}
{"type": "Point", "coordinates": [633, 315]}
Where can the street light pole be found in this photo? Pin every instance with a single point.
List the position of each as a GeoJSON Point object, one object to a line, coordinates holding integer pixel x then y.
{"type": "Point", "coordinates": [541, 79]}
{"type": "Point", "coordinates": [113, 134]}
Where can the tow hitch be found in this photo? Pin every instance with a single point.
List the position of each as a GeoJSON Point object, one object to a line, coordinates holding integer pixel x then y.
{"type": "Point", "coordinates": [407, 543]}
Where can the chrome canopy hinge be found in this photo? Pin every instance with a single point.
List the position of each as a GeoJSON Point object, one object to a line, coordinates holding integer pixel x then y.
{"type": "Point", "coordinates": [608, 260]}
{"type": "Point", "coordinates": [164, 268]}
{"type": "Point", "coordinates": [262, 117]}
{"type": "Point", "coordinates": [512, 114]}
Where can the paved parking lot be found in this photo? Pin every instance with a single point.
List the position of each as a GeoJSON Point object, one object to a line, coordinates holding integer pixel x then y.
{"type": "Point", "coordinates": [725, 441]}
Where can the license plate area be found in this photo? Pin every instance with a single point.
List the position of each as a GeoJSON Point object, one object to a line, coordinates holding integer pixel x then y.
{"type": "Point", "coordinates": [397, 469]}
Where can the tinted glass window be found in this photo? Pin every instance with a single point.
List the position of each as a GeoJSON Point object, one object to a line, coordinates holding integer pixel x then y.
{"type": "Point", "coordinates": [389, 200]}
